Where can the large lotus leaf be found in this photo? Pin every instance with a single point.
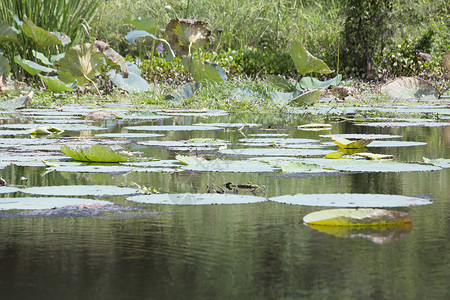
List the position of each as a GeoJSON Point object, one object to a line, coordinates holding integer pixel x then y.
{"type": "Point", "coordinates": [80, 190]}
{"type": "Point", "coordinates": [204, 72]}
{"type": "Point", "coordinates": [41, 37]}
{"type": "Point", "coordinates": [7, 33]}
{"type": "Point", "coordinates": [305, 62]}
{"type": "Point", "coordinates": [410, 88]}
{"type": "Point", "coordinates": [132, 84]}
{"type": "Point", "coordinates": [113, 58]}
{"type": "Point", "coordinates": [184, 92]}
{"type": "Point", "coordinates": [4, 66]}
{"type": "Point", "coordinates": [193, 163]}
{"type": "Point", "coordinates": [357, 217]}
{"type": "Point", "coordinates": [351, 200]}
{"type": "Point", "coordinates": [313, 83]}
{"type": "Point", "coordinates": [65, 39]}
{"type": "Point", "coordinates": [42, 58]}
{"type": "Point", "coordinates": [80, 63]}
{"type": "Point", "coordinates": [284, 98]}
{"type": "Point", "coordinates": [196, 199]}
{"type": "Point", "coordinates": [46, 202]}
{"type": "Point", "coordinates": [56, 85]}
{"type": "Point", "coordinates": [143, 23]}
{"type": "Point", "coordinates": [135, 34]}
{"type": "Point", "coordinates": [186, 33]}
{"type": "Point", "coordinates": [95, 153]}
{"type": "Point", "coordinates": [32, 67]}
{"type": "Point", "coordinates": [305, 99]}
{"type": "Point", "coordinates": [283, 84]}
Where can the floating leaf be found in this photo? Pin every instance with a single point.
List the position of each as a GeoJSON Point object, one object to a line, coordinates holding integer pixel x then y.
{"type": "Point", "coordinates": [274, 152]}
{"type": "Point", "coordinates": [56, 85]}
{"type": "Point", "coordinates": [315, 127]}
{"type": "Point", "coordinates": [188, 33]}
{"type": "Point", "coordinates": [172, 128]}
{"type": "Point", "coordinates": [186, 143]}
{"type": "Point", "coordinates": [334, 155]}
{"type": "Point", "coordinates": [31, 67]}
{"type": "Point", "coordinates": [358, 136]}
{"type": "Point", "coordinates": [127, 135]}
{"type": "Point", "coordinates": [80, 64]}
{"type": "Point", "coordinates": [46, 130]}
{"type": "Point", "coordinates": [45, 202]}
{"type": "Point", "coordinates": [305, 62]}
{"type": "Point", "coordinates": [8, 189]}
{"type": "Point", "coordinates": [100, 169]}
{"type": "Point", "coordinates": [301, 167]}
{"type": "Point", "coordinates": [218, 165]}
{"type": "Point", "coordinates": [80, 190]}
{"type": "Point", "coordinates": [347, 144]}
{"type": "Point", "coordinates": [95, 153]}
{"type": "Point", "coordinates": [439, 162]}
{"type": "Point", "coordinates": [375, 156]}
{"type": "Point", "coordinates": [357, 217]}
{"type": "Point", "coordinates": [196, 199]}
{"type": "Point", "coordinates": [351, 200]}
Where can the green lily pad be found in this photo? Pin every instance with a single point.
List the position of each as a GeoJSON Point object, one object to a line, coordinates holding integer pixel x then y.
{"type": "Point", "coordinates": [80, 190]}
{"type": "Point", "coordinates": [195, 113]}
{"type": "Point", "coordinates": [193, 163]}
{"type": "Point", "coordinates": [8, 189]}
{"type": "Point", "coordinates": [403, 124]}
{"type": "Point", "coordinates": [359, 136]}
{"type": "Point", "coordinates": [315, 127]}
{"type": "Point", "coordinates": [439, 162]}
{"type": "Point", "coordinates": [274, 152]}
{"type": "Point", "coordinates": [283, 141]}
{"type": "Point", "coordinates": [357, 217]}
{"type": "Point", "coordinates": [301, 167]}
{"type": "Point", "coordinates": [155, 164]}
{"type": "Point", "coordinates": [46, 202]}
{"type": "Point", "coordinates": [100, 169]}
{"type": "Point", "coordinates": [172, 128]}
{"type": "Point", "coordinates": [351, 200]}
{"type": "Point", "coordinates": [128, 135]}
{"type": "Point", "coordinates": [265, 135]}
{"type": "Point", "coordinates": [196, 199]}
{"type": "Point", "coordinates": [14, 132]}
{"type": "Point", "coordinates": [186, 143]}
{"type": "Point", "coordinates": [229, 125]}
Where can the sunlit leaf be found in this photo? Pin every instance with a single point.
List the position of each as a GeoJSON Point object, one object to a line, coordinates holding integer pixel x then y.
{"type": "Point", "coordinates": [143, 23]}
{"type": "Point", "coordinates": [305, 62]}
{"type": "Point", "coordinates": [40, 36]}
{"type": "Point", "coordinates": [204, 72]}
{"type": "Point", "coordinates": [132, 84]}
{"type": "Point", "coordinates": [347, 144]}
{"type": "Point", "coordinates": [409, 88]}
{"type": "Point", "coordinates": [45, 202]}
{"type": "Point", "coordinates": [357, 217]}
{"type": "Point", "coordinates": [135, 34]}
{"type": "Point", "coordinates": [307, 98]}
{"type": "Point", "coordinates": [80, 190]}
{"type": "Point", "coordinates": [42, 58]}
{"type": "Point", "coordinates": [80, 63]}
{"type": "Point", "coordinates": [46, 130]}
{"type": "Point", "coordinates": [196, 199]}
{"type": "Point", "coordinates": [313, 83]}
{"type": "Point", "coordinates": [95, 153]}
{"type": "Point", "coordinates": [113, 58]}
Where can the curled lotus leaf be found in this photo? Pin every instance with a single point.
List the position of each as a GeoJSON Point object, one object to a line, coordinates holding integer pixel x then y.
{"type": "Point", "coordinates": [41, 37]}
{"type": "Point", "coordinates": [347, 144]}
{"type": "Point", "coordinates": [188, 33]}
{"type": "Point", "coordinates": [113, 58]}
{"type": "Point", "coordinates": [305, 62]}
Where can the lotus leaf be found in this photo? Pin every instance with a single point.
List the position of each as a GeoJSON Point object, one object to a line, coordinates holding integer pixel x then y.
{"type": "Point", "coordinates": [305, 62]}
{"type": "Point", "coordinates": [46, 202]}
{"type": "Point", "coordinates": [351, 200]}
{"type": "Point", "coordinates": [41, 37]}
{"type": "Point", "coordinates": [313, 83]}
{"type": "Point", "coordinates": [375, 156]}
{"type": "Point", "coordinates": [307, 98]}
{"type": "Point", "coordinates": [283, 84]}
{"type": "Point", "coordinates": [127, 135]}
{"type": "Point", "coordinates": [204, 72]}
{"type": "Point", "coordinates": [80, 190]}
{"type": "Point", "coordinates": [196, 199]}
{"type": "Point", "coordinates": [95, 153]}
{"type": "Point", "coordinates": [99, 169]}
{"type": "Point", "coordinates": [80, 64]}
{"type": "Point", "coordinates": [184, 92]}
{"type": "Point", "coordinates": [132, 84]}
{"type": "Point", "coordinates": [56, 85]}
{"type": "Point", "coordinates": [185, 34]}
{"type": "Point", "coordinates": [7, 33]}
{"type": "Point", "coordinates": [42, 58]}
{"type": "Point", "coordinates": [357, 217]}
{"type": "Point", "coordinates": [143, 23]}
{"type": "Point", "coordinates": [410, 88]}
{"type": "Point", "coordinates": [4, 67]}
{"type": "Point", "coordinates": [284, 98]}
{"type": "Point", "coordinates": [133, 35]}
{"type": "Point", "coordinates": [46, 130]}
{"type": "Point", "coordinates": [112, 58]}
{"type": "Point", "coordinates": [31, 67]}
{"type": "Point", "coordinates": [301, 167]}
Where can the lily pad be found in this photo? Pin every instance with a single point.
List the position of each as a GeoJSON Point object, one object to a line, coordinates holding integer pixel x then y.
{"type": "Point", "coordinates": [274, 152]}
{"type": "Point", "coordinates": [229, 125]}
{"type": "Point", "coordinates": [45, 202]}
{"type": "Point", "coordinates": [357, 217]}
{"type": "Point", "coordinates": [100, 169]}
{"type": "Point", "coordinates": [80, 190]}
{"type": "Point", "coordinates": [283, 141]}
{"type": "Point", "coordinates": [196, 199]}
{"type": "Point", "coordinates": [8, 189]}
{"type": "Point", "coordinates": [315, 127]}
{"type": "Point", "coordinates": [186, 143]}
{"type": "Point", "coordinates": [128, 135]}
{"type": "Point", "coordinates": [403, 124]}
{"type": "Point", "coordinates": [193, 163]}
{"type": "Point", "coordinates": [195, 113]}
{"type": "Point", "coordinates": [351, 200]}
{"type": "Point", "coordinates": [172, 128]}
{"type": "Point", "coordinates": [359, 136]}
{"type": "Point", "coordinates": [301, 167]}
{"type": "Point", "coordinates": [439, 162]}
{"type": "Point", "coordinates": [155, 164]}
{"type": "Point", "coordinates": [347, 144]}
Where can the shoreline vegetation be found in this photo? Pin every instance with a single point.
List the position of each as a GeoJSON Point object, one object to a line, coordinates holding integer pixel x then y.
{"type": "Point", "coordinates": [197, 55]}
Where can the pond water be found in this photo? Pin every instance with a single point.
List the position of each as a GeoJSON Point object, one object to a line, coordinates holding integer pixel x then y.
{"type": "Point", "coordinates": [228, 251]}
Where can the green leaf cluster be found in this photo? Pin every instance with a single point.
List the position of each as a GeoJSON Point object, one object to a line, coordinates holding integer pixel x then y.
{"type": "Point", "coordinates": [95, 153]}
